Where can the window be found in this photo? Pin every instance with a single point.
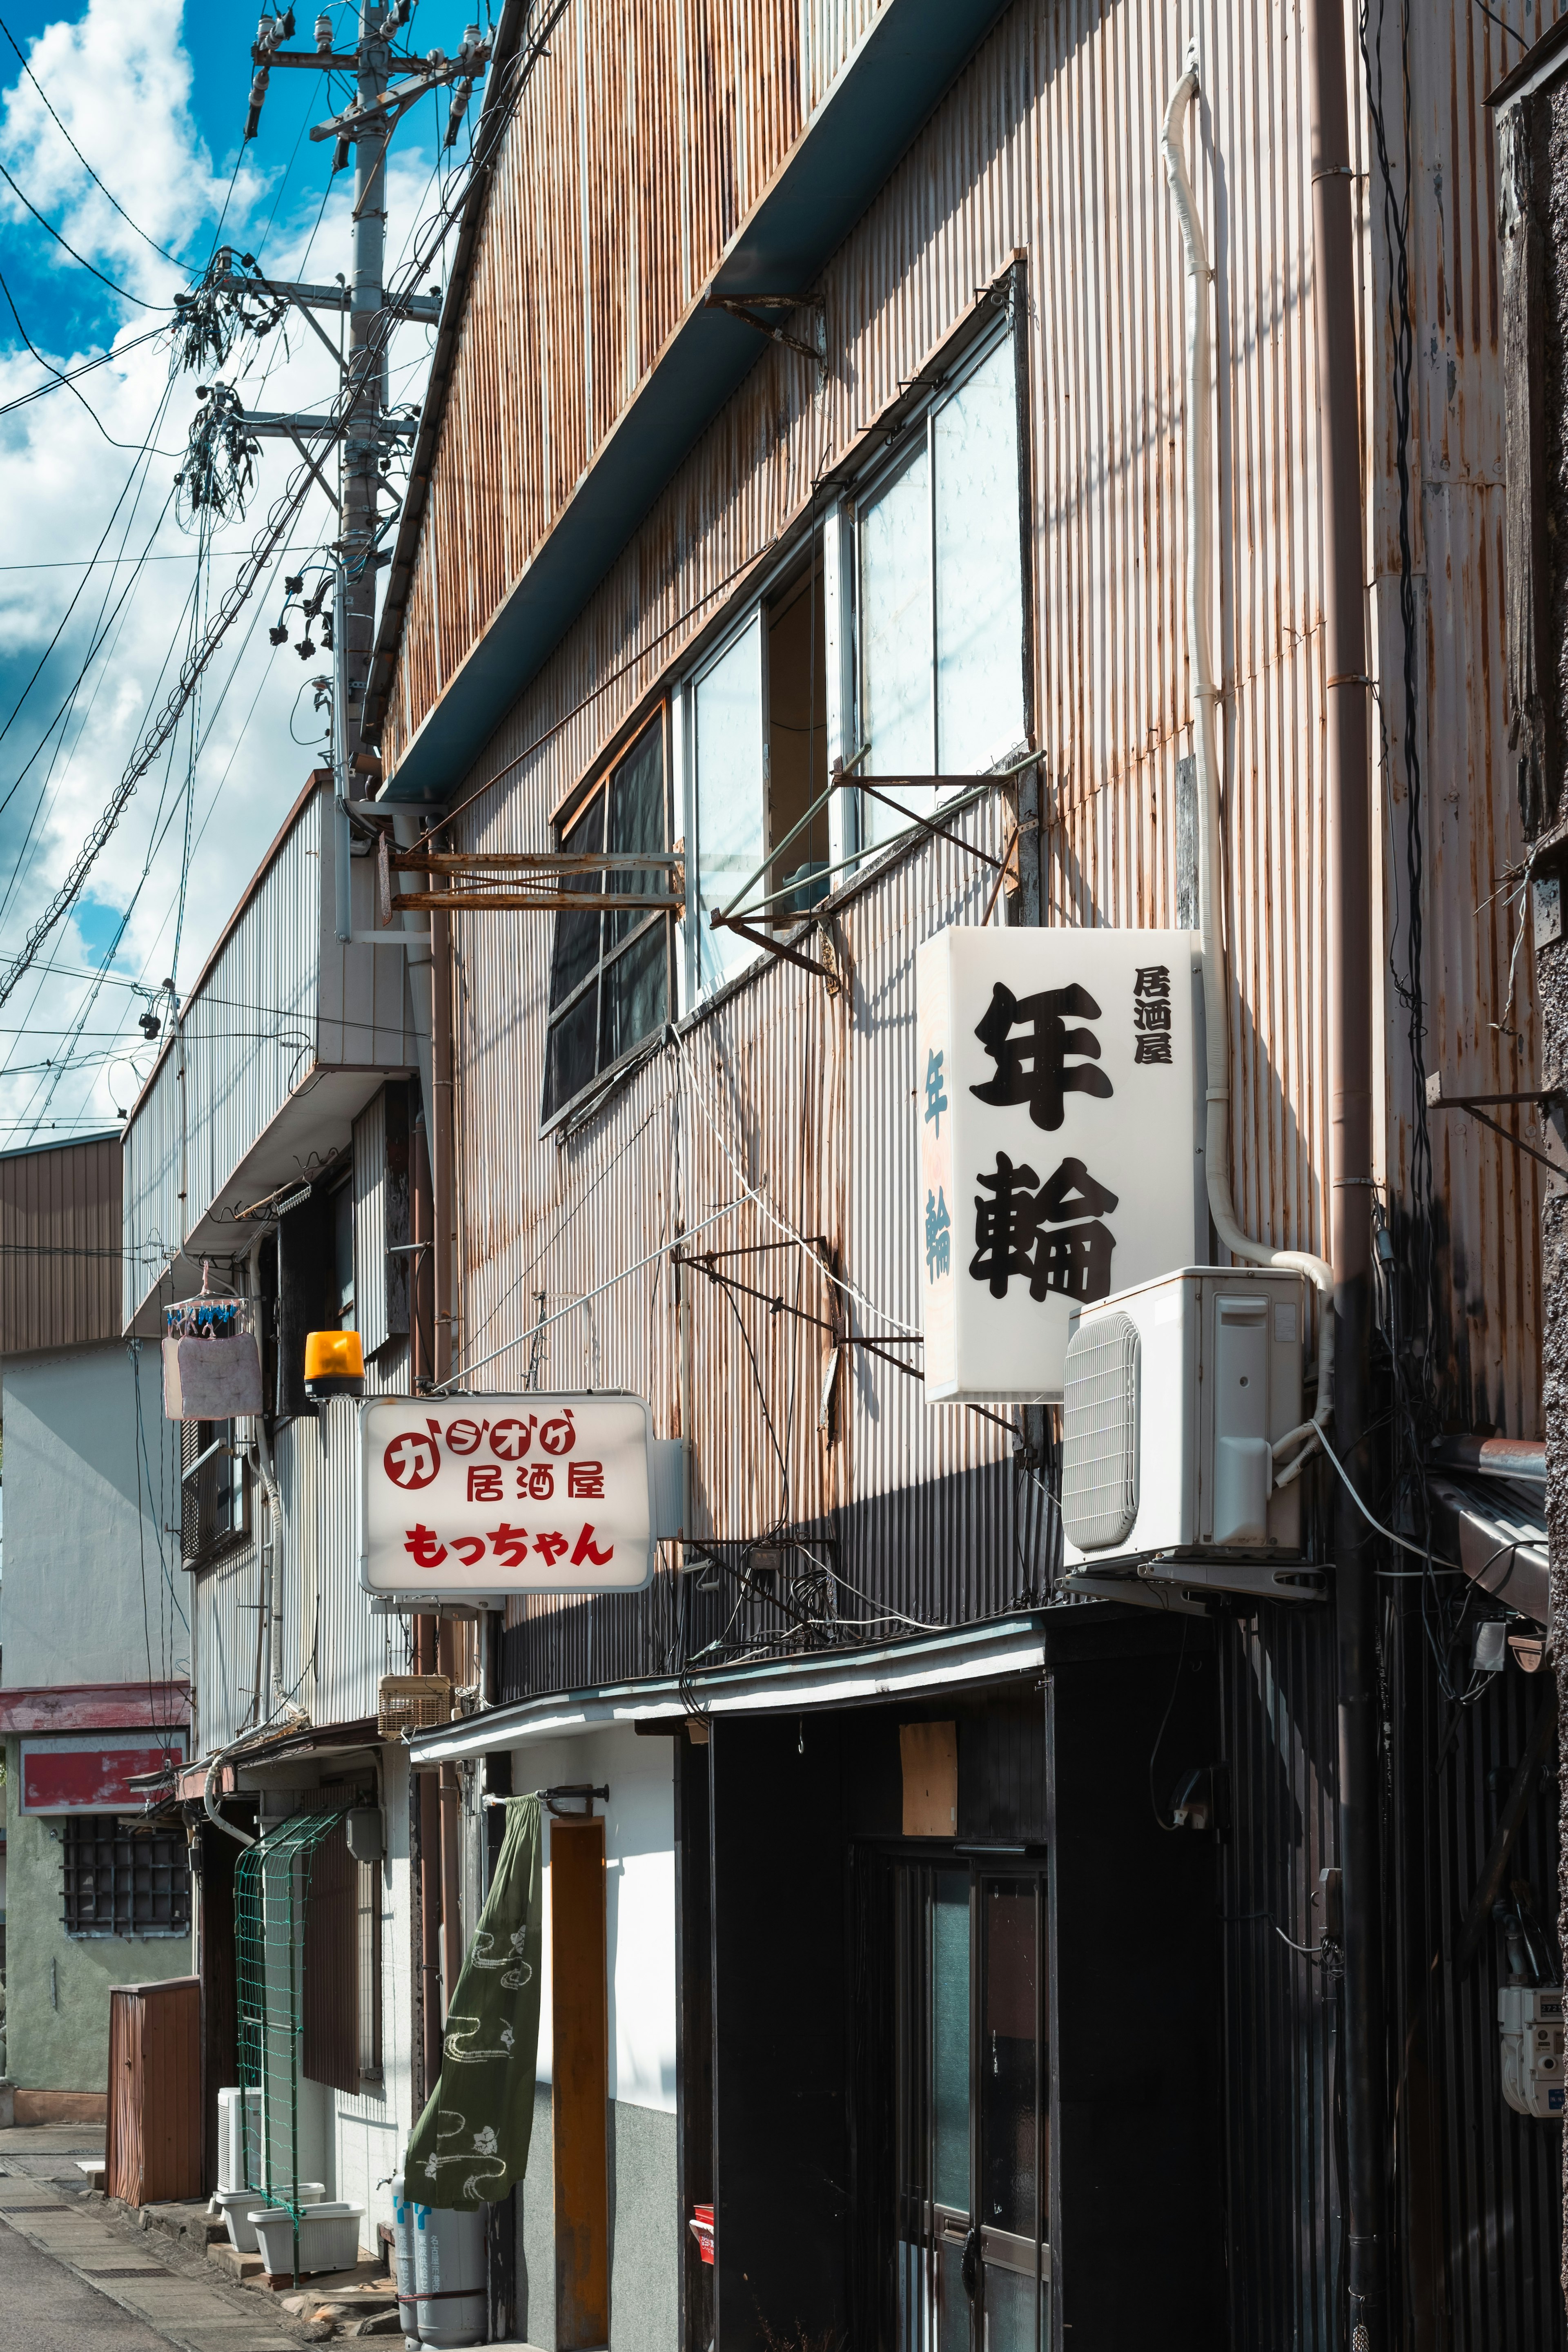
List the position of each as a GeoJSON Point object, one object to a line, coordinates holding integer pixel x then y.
{"type": "Point", "coordinates": [610, 973]}
{"type": "Point", "coordinates": [757, 715]}
{"type": "Point", "coordinates": [938, 543]}
{"type": "Point", "coordinates": [120, 1881]}
{"type": "Point", "coordinates": [215, 1496]}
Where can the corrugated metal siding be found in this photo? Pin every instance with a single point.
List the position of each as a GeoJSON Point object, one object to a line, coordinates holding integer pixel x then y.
{"type": "Point", "coordinates": [281, 999]}
{"type": "Point", "coordinates": [334, 1650]}
{"type": "Point", "coordinates": [1479, 2188]}
{"type": "Point", "coordinates": [1279, 1741]}
{"type": "Point", "coordinates": [60, 1245]}
{"type": "Point", "coordinates": [223, 1605]}
{"type": "Point", "coordinates": [1048, 144]}
{"type": "Point", "coordinates": [249, 1038]}
{"type": "Point", "coordinates": [635, 156]}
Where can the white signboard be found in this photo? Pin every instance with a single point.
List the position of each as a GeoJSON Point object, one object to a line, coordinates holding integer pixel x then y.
{"type": "Point", "coordinates": [464, 1497]}
{"type": "Point", "coordinates": [1059, 1105]}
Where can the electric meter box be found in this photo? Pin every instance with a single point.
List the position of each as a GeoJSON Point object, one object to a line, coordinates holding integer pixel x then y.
{"type": "Point", "coordinates": [1175, 1395]}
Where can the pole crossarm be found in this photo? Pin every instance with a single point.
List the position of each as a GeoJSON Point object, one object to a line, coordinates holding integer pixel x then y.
{"type": "Point", "coordinates": [373, 118]}
{"type": "Point", "coordinates": [426, 308]}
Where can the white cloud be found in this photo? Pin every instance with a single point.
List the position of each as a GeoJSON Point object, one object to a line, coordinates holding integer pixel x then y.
{"type": "Point", "coordinates": [126, 82]}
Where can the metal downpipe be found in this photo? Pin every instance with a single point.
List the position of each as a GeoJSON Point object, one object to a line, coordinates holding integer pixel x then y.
{"type": "Point", "coordinates": [1351, 998]}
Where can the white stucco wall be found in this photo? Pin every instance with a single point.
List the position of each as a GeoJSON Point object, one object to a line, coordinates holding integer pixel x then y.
{"type": "Point", "coordinates": [370, 2132]}
{"type": "Point", "coordinates": [640, 1901]}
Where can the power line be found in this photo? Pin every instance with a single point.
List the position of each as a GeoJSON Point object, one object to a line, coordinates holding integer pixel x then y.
{"type": "Point", "coordinates": [81, 159]}
{"type": "Point", "coordinates": [66, 380]}
{"type": "Point", "coordinates": [123, 291]}
{"type": "Point", "coordinates": [70, 375]}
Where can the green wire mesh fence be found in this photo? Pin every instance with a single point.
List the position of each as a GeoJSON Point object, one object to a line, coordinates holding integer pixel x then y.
{"type": "Point", "coordinates": [272, 1898]}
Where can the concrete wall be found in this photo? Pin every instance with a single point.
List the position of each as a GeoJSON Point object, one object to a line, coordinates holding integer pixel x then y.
{"type": "Point", "coordinates": [86, 1598]}
{"type": "Point", "coordinates": [58, 2025]}
{"type": "Point", "coordinates": [640, 1933]}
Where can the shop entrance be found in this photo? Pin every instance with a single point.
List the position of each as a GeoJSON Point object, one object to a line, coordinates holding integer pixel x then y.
{"type": "Point", "coordinates": [974, 2263]}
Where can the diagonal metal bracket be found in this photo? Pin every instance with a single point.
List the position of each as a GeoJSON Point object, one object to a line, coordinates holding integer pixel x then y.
{"type": "Point", "coordinates": [746, 307]}
{"type": "Point", "coordinates": [1549, 1105]}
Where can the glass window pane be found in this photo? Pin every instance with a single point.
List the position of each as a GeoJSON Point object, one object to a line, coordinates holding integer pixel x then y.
{"type": "Point", "coordinates": [895, 544]}
{"type": "Point", "coordinates": [980, 579]}
{"type": "Point", "coordinates": [1010, 2193]}
{"type": "Point", "coordinates": [637, 822]}
{"type": "Point", "coordinates": [569, 1058]}
{"type": "Point", "coordinates": [576, 936]}
{"type": "Point", "coordinates": [633, 994]}
{"type": "Point", "coordinates": [950, 2037]}
{"type": "Point", "coordinates": [1011, 2321]}
{"type": "Point", "coordinates": [728, 732]}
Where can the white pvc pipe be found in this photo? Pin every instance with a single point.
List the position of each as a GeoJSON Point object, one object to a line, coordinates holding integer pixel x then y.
{"type": "Point", "coordinates": [1205, 695]}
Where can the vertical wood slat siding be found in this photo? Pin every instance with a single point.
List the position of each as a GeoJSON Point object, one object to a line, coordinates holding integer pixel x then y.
{"type": "Point", "coordinates": [60, 1245]}
{"type": "Point", "coordinates": [1048, 144]}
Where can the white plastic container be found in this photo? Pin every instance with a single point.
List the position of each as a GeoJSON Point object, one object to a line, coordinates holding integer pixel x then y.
{"type": "Point", "coordinates": [329, 2238]}
{"type": "Point", "coordinates": [232, 2104]}
{"type": "Point", "coordinates": [449, 2257]}
{"type": "Point", "coordinates": [237, 2207]}
{"type": "Point", "coordinates": [403, 2260]}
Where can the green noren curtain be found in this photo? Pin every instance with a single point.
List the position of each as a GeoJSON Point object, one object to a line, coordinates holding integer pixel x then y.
{"type": "Point", "coordinates": [471, 2144]}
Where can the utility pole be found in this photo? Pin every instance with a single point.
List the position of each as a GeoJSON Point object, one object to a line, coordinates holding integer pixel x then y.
{"type": "Point", "coordinates": [386, 85]}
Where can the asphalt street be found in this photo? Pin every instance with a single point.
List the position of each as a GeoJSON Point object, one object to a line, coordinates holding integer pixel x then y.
{"type": "Point", "coordinates": [44, 2308]}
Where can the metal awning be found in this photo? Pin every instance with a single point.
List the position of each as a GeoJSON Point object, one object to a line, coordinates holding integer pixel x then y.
{"type": "Point", "coordinates": [1494, 1526]}
{"type": "Point", "coordinates": [877, 103]}
{"type": "Point", "coordinates": [796, 1686]}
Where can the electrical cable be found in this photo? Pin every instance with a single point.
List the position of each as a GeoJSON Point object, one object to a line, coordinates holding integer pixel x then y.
{"type": "Point", "coordinates": [69, 376]}
{"type": "Point", "coordinates": [1172, 1828]}
{"type": "Point", "coordinates": [59, 377]}
{"type": "Point", "coordinates": [123, 291]}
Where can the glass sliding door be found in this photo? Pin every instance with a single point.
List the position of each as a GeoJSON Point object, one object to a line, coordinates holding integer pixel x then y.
{"type": "Point", "coordinates": [970, 2133]}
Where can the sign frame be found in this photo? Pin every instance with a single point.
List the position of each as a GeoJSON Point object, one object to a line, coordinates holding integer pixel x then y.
{"type": "Point", "coordinates": [514, 1443]}
{"type": "Point", "coordinates": [1059, 1100]}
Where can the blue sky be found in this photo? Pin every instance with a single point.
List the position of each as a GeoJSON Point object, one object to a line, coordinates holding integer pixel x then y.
{"type": "Point", "coordinates": [154, 96]}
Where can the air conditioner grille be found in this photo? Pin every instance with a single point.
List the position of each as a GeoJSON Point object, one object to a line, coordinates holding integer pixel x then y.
{"type": "Point", "coordinates": [1100, 1432]}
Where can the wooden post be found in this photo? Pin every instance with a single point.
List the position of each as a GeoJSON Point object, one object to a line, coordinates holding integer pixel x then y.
{"type": "Point", "coordinates": [580, 2085]}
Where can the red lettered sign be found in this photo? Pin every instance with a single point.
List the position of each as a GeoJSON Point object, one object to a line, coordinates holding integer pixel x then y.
{"type": "Point", "coordinates": [468, 1496]}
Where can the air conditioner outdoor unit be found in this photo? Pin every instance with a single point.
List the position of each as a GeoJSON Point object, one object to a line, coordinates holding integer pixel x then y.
{"type": "Point", "coordinates": [1175, 1394]}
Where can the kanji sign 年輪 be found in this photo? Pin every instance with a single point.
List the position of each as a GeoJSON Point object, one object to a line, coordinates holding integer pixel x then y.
{"type": "Point", "coordinates": [1056, 1087]}
{"type": "Point", "coordinates": [468, 1496]}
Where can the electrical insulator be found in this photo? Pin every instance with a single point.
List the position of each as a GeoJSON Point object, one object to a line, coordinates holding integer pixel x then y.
{"type": "Point", "coordinates": [340, 156]}
{"type": "Point", "coordinates": [323, 32]}
{"type": "Point", "coordinates": [257, 93]}
{"type": "Point", "coordinates": [459, 107]}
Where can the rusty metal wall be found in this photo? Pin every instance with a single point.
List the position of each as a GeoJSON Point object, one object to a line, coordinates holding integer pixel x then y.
{"type": "Point", "coordinates": [60, 1245]}
{"type": "Point", "coordinates": [1048, 146]}
{"type": "Point", "coordinates": [635, 158]}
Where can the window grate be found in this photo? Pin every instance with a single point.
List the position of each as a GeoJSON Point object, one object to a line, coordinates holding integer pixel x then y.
{"type": "Point", "coordinates": [124, 1882]}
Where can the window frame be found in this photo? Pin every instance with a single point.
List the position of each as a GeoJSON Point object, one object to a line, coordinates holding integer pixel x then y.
{"type": "Point", "coordinates": [918, 432]}
{"type": "Point", "coordinates": [851, 813]}
{"type": "Point", "coordinates": [217, 1468]}
{"type": "Point", "coordinates": [163, 1849]}
{"type": "Point", "coordinates": [597, 784]}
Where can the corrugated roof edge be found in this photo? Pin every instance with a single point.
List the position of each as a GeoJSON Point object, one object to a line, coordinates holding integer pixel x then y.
{"type": "Point", "coordinates": [892, 82]}
{"type": "Point", "coordinates": [1534, 67]}
{"type": "Point", "coordinates": [318, 778]}
{"type": "Point", "coordinates": [61, 1143]}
